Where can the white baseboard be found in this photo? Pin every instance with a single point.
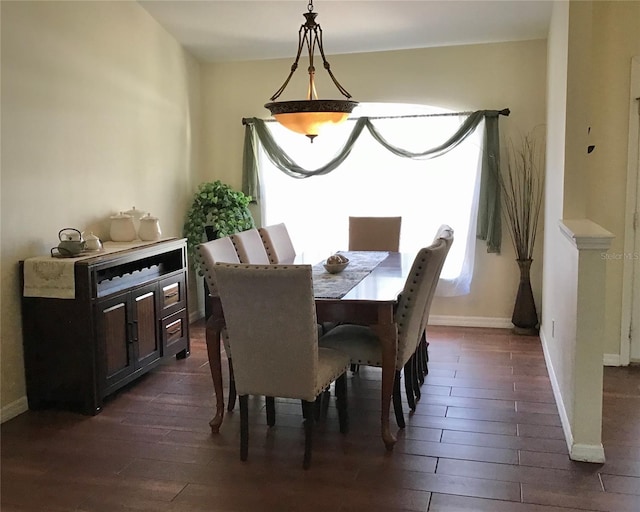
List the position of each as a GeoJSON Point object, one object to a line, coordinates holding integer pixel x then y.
{"type": "Point", "coordinates": [450, 321]}
{"type": "Point", "coordinates": [14, 409]}
{"type": "Point", "coordinates": [577, 451]}
{"type": "Point", "coordinates": [471, 321]}
{"type": "Point", "coordinates": [562, 411]}
{"type": "Point", "coordinates": [194, 316]}
{"type": "Point", "coordinates": [587, 453]}
{"type": "Point", "coordinates": [612, 360]}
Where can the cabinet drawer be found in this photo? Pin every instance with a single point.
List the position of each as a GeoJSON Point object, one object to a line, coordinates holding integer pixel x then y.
{"type": "Point", "coordinates": [175, 333]}
{"type": "Point", "coordinates": [173, 295]}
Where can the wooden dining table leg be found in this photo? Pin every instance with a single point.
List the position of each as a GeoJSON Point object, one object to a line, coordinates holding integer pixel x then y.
{"type": "Point", "coordinates": [212, 336]}
{"type": "Point", "coordinates": [386, 330]}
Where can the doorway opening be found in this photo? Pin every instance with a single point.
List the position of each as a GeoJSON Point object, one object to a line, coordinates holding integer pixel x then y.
{"type": "Point", "coordinates": [630, 327]}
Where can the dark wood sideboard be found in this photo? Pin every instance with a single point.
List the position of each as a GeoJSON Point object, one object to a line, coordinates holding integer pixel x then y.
{"type": "Point", "coordinates": [129, 313]}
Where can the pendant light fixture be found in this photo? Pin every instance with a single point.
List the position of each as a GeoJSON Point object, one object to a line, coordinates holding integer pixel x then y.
{"type": "Point", "coordinates": [311, 115]}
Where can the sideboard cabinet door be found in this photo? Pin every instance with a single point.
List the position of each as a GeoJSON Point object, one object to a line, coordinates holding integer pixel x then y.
{"type": "Point", "coordinates": [145, 338]}
{"type": "Point", "coordinates": [113, 319]}
{"type": "Point", "coordinates": [128, 335]}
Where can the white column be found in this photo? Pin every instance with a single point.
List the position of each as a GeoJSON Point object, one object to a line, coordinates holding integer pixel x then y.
{"type": "Point", "coordinates": [591, 243]}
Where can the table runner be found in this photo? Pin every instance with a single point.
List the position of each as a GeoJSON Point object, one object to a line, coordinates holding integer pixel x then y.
{"type": "Point", "coordinates": [54, 278]}
{"type": "Point", "coordinates": [336, 286]}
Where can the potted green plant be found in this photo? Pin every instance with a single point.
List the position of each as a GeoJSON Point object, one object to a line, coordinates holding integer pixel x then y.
{"type": "Point", "coordinates": [522, 186]}
{"type": "Point", "coordinates": [217, 211]}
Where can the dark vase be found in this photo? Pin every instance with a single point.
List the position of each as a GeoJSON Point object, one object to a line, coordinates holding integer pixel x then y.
{"type": "Point", "coordinates": [525, 316]}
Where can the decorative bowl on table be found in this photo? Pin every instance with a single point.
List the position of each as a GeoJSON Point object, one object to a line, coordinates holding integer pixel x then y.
{"type": "Point", "coordinates": [336, 263]}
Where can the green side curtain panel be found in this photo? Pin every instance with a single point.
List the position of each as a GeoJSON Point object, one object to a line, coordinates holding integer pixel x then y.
{"type": "Point", "coordinates": [489, 226]}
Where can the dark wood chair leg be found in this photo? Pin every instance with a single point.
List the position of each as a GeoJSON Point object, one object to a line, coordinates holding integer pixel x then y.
{"type": "Point", "coordinates": [317, 407]}
{"type": "Point", "coordinates": [322, 404]}
{"type": "Point", "coordinates": [397, 401]}
{"type": "Point", "coordinates": [408, 383]}
{"type": "Point", "coordinates": [422, 352]}
{"type": "Point", "coordinates": [341, 403]}
{"type": "Point", "coordinates": [309, 415]}
{"type": "Point", "coordinates": [416, 381]}
{"type": "Point", "coordinates": [271, 410]}
{"type": "Point", "coordinates": [232, 388]}
{"type": "Point", "coordinates": [426, 357]}
{"type": "Point", "coordinates": [244, 427]}
{"type": "Point", "coordinates": [326, 398]}
{"type": "Point", "coordinates": [419, 355]}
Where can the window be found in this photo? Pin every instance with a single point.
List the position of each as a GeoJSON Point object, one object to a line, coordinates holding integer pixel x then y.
{"type": "Point", "coordinates": [374, 182]}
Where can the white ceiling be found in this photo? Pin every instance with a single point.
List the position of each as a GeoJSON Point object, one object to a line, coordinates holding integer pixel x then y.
{"type": "Point", "coordinates": [227, 30]}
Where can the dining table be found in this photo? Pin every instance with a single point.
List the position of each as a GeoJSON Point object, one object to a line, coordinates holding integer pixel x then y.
{"type": "Point", "coordinates": [366, 292]}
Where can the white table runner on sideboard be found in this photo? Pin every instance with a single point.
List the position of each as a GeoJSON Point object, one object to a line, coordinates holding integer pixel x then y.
{"type": "Point", "coordinates": [54, 278]}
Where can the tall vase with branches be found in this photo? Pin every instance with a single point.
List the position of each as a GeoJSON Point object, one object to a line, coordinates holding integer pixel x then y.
{"type": "Point", "coordinates": [522, 185]}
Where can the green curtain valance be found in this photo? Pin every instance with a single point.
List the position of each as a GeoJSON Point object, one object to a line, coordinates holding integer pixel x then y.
{"type": "Point", "coordinates": [489, 226]}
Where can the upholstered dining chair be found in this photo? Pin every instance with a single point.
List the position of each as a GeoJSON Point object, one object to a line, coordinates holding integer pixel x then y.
{"type": "Point", "coordinates": [249, 247]}
{"type": "Point", "coordinates": [220, 250]}
{"type": "Point", "coordinates": [277, 242]}
{"type": "Point", "coordinates": [209, 253]}
{"type": "Point", "coordinates": [417, 368]}
{"type": "Point", "coordinates": [374, 233]}
{"type": "Point", "coordinates": [361, 342]}
{"type": "Point", "coordinates": [271, 323]}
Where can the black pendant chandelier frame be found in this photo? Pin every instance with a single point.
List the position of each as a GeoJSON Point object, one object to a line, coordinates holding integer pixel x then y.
{"type": "Point", "coordinates": [310, 36]}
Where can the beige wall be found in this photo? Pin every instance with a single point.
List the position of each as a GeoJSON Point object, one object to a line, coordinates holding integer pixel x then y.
{"type": "Point", "coordinates": [616, 40]}
{"type": "Point", "coordinates": [489, 76]}
{"type": "Point", "coordinates": [568, 93]}
{"type": "Point", "coordinates": [591, 45]}
{"type": "Point", "coordinates": [560, 269]}
{"type": "Point", "coordinates": [100, 112]}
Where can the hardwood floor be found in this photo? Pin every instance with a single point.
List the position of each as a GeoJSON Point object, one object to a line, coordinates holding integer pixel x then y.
{"type": "Point", "coordinates": [486, 436]}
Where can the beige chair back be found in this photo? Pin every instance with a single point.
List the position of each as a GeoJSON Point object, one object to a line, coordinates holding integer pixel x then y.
{"type": "Point", "coordinates": [414, 300]}
{"type": "Point", "coordinates": [374, 233]}
{"type": "Point", "coordinates": [249, 247]}
{"type": "Point", "coordinates": [209, 253]}
{"type": "Point", "coordinates": [445, 233]}
{"type": "Point", "coordinates": [271, 323]}
{"type": "Point", "coordinates": [277, 242]}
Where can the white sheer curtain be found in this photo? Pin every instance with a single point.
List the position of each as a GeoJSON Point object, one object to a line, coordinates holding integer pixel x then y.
{"type": "Point", "coordinates": [373, 182]}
